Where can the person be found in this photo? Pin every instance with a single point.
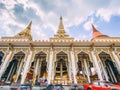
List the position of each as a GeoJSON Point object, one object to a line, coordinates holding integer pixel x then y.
{"type": "Point", "coordinates": [36, 83]}
{"type": "Point", "coordinates": [40, 81]}
{"type": "Point", "coordinates": [45, 81]}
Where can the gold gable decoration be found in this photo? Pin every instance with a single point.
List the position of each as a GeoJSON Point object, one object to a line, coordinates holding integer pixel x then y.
{"type": "Point", "coordinates": [26, 33]}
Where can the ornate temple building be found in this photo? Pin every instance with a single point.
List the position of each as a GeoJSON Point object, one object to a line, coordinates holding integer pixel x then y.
{"type": "Point", "coordinates": [61, 59]}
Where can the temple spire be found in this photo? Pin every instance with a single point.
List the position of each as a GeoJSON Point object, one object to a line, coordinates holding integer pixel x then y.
{"type": "Point", "coordinates": [61, 34]}
{"type": "Point", "coordinates": [96, 33]}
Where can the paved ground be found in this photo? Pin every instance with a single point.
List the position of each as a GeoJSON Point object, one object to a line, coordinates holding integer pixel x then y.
{"type": "Point", "coordinates": [40, 88]}
{"type": "Point", "coordinates": [4, 87]}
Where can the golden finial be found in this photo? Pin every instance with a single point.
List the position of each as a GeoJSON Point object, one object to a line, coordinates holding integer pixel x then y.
{"type": "Point", "coordinates": [61, 24]}
{"type": "Point", "coordinates": [29, 25]}
{"type": "Point", "coordinates": [60, 17]}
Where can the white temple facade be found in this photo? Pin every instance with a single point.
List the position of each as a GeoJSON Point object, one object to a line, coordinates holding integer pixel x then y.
{"type": "Point", "coordinates": [61, 59]}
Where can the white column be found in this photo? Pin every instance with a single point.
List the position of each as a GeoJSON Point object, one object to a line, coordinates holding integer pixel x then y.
{"type": "Point", "coordinates": [53, 68]}
{"type": "Point", "coordinates": [86, 69]}
{"type": "Point", "coordinates": [19, 70]}
{"type": "Point", "coordinates": [36, 70]}
{"type": "Point", "coordinates": [69, 71]}
{"type": "Point", "coordinates": [5, 63]}
{"type": "Point", "coordinates": [50, 66]}
{"type": "Point", "coordinates": [117, 60]}
{"type": "Point", "coordinates": [97, 66]}
{"type": "Point", "coordinates": [69, 67]}
{"type": "Point", "coordinates": [39, 70]}
{"type": "Point", "coordinates": [54, 72]}
{"type": "Point", "coordinates": [26, 68]}
{"type": "Point", "coordinates": [104, 71]}
{"type": "Point", "coordinates": [112, 74]}
{"type": "Point", "coordinates": [73, 66]}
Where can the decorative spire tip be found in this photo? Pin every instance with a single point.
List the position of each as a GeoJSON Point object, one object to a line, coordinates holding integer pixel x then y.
{"type": "Point", "coordinates": [60, 17]}
{"type": "Point", "coordinates": [29, 25]}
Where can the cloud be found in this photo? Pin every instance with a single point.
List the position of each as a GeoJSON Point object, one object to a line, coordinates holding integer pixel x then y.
{"type": "Point", "coordinates": [83, 37]}
{"type": "Point", "coordinates": [97, 3]}
{"type": "Point", "coordinates": [111, 10]}
{"type": "Point", "coordinates": [106, 14]}
{"type": "Point", "coordinates": [87, 25]}
{"type": "Point", "coordinates": [2, 6]}
{"type": "Point", "coordinates": [45, 15]}
{"type": "Point", "coordinates": [45, 5]}
{"type": "Point", "coordinates": [25, 15]}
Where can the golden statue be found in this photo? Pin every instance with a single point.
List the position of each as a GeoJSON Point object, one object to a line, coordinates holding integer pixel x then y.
{"type": "Point", "coordinates": [15, 77]}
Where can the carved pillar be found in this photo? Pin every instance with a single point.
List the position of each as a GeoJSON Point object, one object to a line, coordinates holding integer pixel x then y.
{"type": "Point", "coordinates": [27, 66]}
{"type": "Point", "coordinates": [117, 53]}
{"type": "Point", "coordinates": [35, 70]}
{"type": "Point", "coordinates": [104, 71]}
{"type": "Point", "coordinates": [6, 62]}
{"type": "Point", "coordinates": [50, 65]}
{"type": "Point", "coordinates": [4, 57]}
{"type": "Point", "coordinates": [102, 68]}
{"type": "Point", "coordinates": [69, 67]}
{"type": "Point", "coordinates": [39, 70]}
{"type": "Point", "coordinates": [76, 58]}
{"type": "Point", "coordinates": [97, 65]}
{"type": "Point", "coordinates": [53, 66]}
{"type": "Point", "coordinates": [116, 60]}
{"type": "Point", "coordinates": [73, 66]}
{"type": "Point", "coordinates": [19, 70]}
{"type": "Point", "coordinates": [112, 74]}
{"type": "Point", "coordinates": [86, 69]}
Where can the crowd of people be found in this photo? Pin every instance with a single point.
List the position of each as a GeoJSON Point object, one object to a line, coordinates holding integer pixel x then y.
{"type": "Point", "coordinates": [41, 82]}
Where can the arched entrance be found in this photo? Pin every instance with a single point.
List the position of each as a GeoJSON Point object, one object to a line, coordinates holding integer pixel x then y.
{"type": "Point", "coordinates": [86, 71]}
{"type": "Point", "coordinates": [1, 57]}
{"type": "Point", "coordinates": [109, 66]}
{"type": "Point", "coordinates": [38, 69]}
{"type": "Point", "coordinates": [14, 68]}
{"type": "Point", "coordinates": [61, 68]}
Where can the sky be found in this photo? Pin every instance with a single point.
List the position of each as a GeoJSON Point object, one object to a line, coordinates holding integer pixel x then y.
{"type": "Point", "coordinates": [78, 15]}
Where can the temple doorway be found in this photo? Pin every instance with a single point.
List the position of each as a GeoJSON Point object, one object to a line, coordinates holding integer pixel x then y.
{"type": "Point", "coordinates": [1, 57]}
{"type": "Point", "coordinates": [38, 69]}
{"type": "Point", "coordinates": [61, 68]}
{"type": "Point", "coordinates": [13, 71]}
{"type": "Point", "coordinates": [109, 68]}
{"type": "Point", "coordinates": [86, 72]}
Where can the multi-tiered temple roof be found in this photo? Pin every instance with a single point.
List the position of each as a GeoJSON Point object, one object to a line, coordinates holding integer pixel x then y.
{"type": "Point", "coordinates": [61, 36]}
